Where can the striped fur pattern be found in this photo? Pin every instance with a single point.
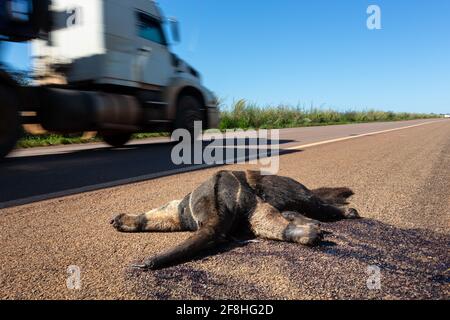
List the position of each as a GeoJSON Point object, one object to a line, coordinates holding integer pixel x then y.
{"type": "Point", "coordinates": [230, 202]}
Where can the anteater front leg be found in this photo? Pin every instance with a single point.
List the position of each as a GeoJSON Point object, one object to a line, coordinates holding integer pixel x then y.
{"type": "Point", "coordinates": [212, 207]}
{"type": "Point", "coordinates": [164, 219]}
{"type": "Point", "coordinates": [267, 222]}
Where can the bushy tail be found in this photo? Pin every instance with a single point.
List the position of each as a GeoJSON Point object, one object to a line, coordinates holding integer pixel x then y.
{"type": "Point", "coordinates": [334, 196]}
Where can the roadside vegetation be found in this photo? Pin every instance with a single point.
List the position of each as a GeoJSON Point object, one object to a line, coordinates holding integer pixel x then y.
{"type": "Point", "coordinates": [244, 115]}
{"type": "Point", "coordinates": [247, 115]}
{"type": "Point", "coordinates": [31, 141]}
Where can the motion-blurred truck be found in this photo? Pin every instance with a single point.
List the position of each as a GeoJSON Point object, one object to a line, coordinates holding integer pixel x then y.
{"type": "Point", "coordinates": [98, 65]}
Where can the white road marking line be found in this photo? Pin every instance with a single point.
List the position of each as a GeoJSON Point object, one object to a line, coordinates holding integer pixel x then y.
{"type": "Point", "coordinates": [357, 136]}
{"type": "Point", "coordinates": [122, 182]}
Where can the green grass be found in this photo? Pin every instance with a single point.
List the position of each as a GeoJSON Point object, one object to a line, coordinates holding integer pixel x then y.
{"type": "Point", "coordinates": [250, 116]}
{"type": "Point", "coordinates": [244, 115]}
{"type": "Point", "coordinates": [31, 141]}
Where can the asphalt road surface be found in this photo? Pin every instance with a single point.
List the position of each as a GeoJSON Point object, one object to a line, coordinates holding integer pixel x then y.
{"type": "Point", "coordinates": [401, 181]}
{"type": "Point", "coordinates": [30, 175]}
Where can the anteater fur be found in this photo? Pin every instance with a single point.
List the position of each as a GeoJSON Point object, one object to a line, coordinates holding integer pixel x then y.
{"type": "Point", "coordinates": [232, 202]}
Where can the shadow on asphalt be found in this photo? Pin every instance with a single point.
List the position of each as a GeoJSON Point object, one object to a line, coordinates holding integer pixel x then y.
{"type": "Point", "coordinates": [413, 264]}
{"type": "Point", "coordinates": [25, 177]}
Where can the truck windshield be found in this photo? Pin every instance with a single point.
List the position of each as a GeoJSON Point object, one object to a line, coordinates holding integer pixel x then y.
{"type": "Point", "coordinates": [150, 29]}
{"type": "Point", "coordinates": [20, 10]}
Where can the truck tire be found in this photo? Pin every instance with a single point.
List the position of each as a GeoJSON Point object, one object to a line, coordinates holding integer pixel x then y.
{"type": "Point", "coordinates": [189, 110]}
{"type": "Point", "coordinates": [117, 139]}
{"type": "Point", "coordinates": [9, 121]}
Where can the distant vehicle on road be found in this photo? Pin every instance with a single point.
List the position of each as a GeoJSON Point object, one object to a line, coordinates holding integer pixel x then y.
{"type": "Point", "coordinates": [100, 65]}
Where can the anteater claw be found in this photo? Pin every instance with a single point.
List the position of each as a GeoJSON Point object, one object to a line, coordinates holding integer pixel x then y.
{"type": "Point", "coordinates": [139, 266]}
{"type": "Point", "coordinates": [148, 265]}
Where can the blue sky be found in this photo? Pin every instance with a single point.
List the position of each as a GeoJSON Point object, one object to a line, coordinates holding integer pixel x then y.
{"type": "Point", "coordinates": [320, 52]}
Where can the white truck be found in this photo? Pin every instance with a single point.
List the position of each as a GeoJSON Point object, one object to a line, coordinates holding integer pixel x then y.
{"type": "Point", "coordinates": [99, 65]}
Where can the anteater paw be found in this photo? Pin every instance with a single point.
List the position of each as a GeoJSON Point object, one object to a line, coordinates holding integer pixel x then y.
{"type": "Point", "coordinates": [126, 223]}
{"type": "Point", "coordinates": [308, 234]}
{"type": "Point", "coordinates": [147, 265]}
{"type": "Point", "coordinates": [351, 213]}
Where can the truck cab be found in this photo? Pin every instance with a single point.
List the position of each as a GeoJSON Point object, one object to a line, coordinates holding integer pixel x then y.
{"type": "Point", "coordinates": [106, 66]}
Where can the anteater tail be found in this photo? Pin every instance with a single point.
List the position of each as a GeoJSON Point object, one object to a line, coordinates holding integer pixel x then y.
{"type": "Point", "coordinates": [334, 196]}
{"type": "Point", "coordinates": [203, 239]}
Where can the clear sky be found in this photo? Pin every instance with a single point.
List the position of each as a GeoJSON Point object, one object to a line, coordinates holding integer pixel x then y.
{"type": "Point", "coordinates": [319, 52]}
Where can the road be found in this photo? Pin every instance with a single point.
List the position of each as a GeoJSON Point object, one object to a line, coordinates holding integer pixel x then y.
{"type": "Point", "coordinates": [401, 181]}
{"type": "Point", "coordinates": [31, 175]}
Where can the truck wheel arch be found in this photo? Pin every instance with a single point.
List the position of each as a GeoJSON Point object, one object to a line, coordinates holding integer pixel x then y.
{"type": "Point", "coordinates": [193, 92]}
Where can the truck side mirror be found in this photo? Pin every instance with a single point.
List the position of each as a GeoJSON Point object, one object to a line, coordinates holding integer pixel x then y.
{"type": "Point", "coordinates": [175, 28]}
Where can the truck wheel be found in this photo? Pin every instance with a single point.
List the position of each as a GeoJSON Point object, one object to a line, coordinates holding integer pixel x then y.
{"type": "Point", "coordinates": [189, 110]}
{"type": "Point", "coordinates": [9, 121]}
{"type": "Point", "coordinates": [116, 140]}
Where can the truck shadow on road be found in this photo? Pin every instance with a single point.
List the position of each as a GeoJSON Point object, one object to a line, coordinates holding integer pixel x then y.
{"type": "Point", "coordinates": [79, 169]}
{"type": "Point", "coordinates": [413, 264]}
